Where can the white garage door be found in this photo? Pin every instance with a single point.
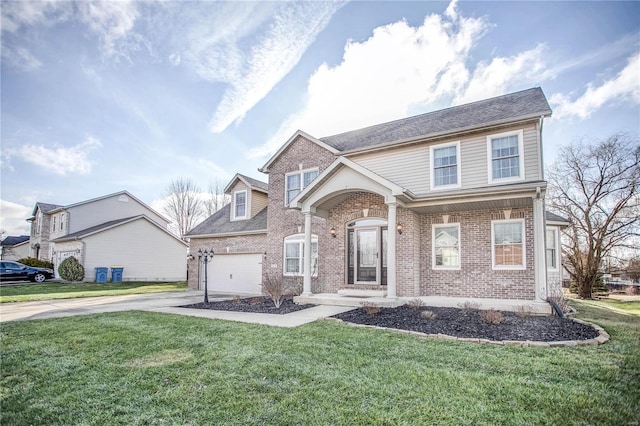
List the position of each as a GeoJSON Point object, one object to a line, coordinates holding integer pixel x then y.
{"type": "Point", "coordinates": [235, 274]}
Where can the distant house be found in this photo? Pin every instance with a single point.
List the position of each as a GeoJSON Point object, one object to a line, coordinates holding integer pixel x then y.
{"type": "Point", "coordinates": [113, 230]}
{"type": "Point", "coordinates": [14, 247]}
{"type": "Point", "coordinates": [447, 206]}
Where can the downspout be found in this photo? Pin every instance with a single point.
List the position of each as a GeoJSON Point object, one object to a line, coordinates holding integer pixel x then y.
{"type": "Point", "coordinates": [541, 159]}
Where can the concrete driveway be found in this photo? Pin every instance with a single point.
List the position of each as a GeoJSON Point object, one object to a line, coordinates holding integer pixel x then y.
{"type": "Point", "coordinates": [157, 302]}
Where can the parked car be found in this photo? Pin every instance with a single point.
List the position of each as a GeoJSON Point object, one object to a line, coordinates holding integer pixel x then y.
{"type": "Point", "coordinates": [14, 271]}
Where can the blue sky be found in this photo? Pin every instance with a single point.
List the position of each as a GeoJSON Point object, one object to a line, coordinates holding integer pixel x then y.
{"type": "Point", "coordinates": [101, 97]}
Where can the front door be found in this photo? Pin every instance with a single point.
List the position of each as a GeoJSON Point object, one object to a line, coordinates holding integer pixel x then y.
{"type": "Point", "coordinates": [367, 255]}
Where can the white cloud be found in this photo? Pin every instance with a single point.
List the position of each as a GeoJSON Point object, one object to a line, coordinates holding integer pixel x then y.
{"type": "Point", "coordinates": [623, 87]}
{"type": "Point", "coordinates": [61, 160]}
{"type": "Point", "coordinates": [15, 14]}
{"type": "Point", "coordinates": [13, 218]}
{"type": "Point", "coordinates": [398, 70]}
{"type": "Point", "coordinates": [20, 57]}
{"type": "Point", "coordinates": [294, 26]}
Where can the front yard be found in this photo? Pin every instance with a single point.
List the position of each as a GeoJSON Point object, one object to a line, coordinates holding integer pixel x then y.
{"type": "Point", "coordinates": [148, 368]}
{"type": "Point", "coordinates": [61, 290]}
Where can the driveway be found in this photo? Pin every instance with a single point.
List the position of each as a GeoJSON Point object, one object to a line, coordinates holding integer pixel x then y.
{"type": "Point", "coordinates": [90, 305]}
{"type": "Point", "coordinates": [157, 302]}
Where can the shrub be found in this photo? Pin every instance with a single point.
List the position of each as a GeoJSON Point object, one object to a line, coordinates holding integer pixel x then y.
{"type": "Point", "coordinates": [631, 290]}
{"type": "Point", "coordinates": [277, 289]}
{"type": "Point", "coordinates": [428, 315]}
{"type": "Point", "coordinates": [71, 270]}
{"type": "Point", "coordinates": [469, 306]}
{"type": "Point", "coordinates": [416, 303]}
{"type": "Point", "coordinates": [236, 300]}
{"type": "Point", "coordinates": [491, 317]}
{"type": "Point", "coordinates": [37, 263]}
{"type": "Point", "coordinates": [370, 308]}
{"type": "Point", "coordinates": [558, 296]}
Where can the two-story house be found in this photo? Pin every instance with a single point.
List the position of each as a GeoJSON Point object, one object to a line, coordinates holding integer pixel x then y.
{"type": "Point", "coordinates": [447, 206]}
{"type": "Point", "coordinates": [112, 230]}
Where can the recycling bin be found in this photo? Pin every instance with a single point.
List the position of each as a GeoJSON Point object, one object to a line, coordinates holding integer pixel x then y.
{"type": "Point", "coordinates": [101, 275]}
{"type": "Point", "coordinates": [116, 274]}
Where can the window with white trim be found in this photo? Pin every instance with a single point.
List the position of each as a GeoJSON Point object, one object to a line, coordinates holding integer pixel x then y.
{"type": "Point", "coordinates": [446, 246]}
{"type": "Point", "coordinates": [552, 248]}
{"type": "Point", "coordinates": [297, 181]}
{"type": "Point", "coordinates": [294, 255]}
{"type": "Point", "coordinates": [445, 166]}
{"type": "Point", "coordinates": [505, 157]}
{"type": "Point", "coordinates": [239, 207]}
{"type": "Point", "coordinates": [53, 224]}
{"type": "Point", "coordinates": [508, 241]}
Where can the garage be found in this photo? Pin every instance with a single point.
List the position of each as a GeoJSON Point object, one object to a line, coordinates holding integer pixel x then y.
{"type": "Point", "coordinates": [235, 273]}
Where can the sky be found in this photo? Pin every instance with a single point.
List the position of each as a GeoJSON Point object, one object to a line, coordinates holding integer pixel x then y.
{"type": "Point", "coordinates": [100, 97]}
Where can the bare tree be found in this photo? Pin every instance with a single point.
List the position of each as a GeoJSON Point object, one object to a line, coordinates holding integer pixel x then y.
{"type": "Point", "coordinates": [596, 186]}
{"type": "Point", "coordinates": [183, 204]}
{"type": "Point", "coordinates": [633, 268]}
{"type": "Point", "coordinates": [216, 197]}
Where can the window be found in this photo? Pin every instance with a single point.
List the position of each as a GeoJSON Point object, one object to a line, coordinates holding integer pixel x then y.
{"type": "Point", "coordinates": [53, 224]}
{"type": "Point", "coordinates": [296, 182]}
{"type": "Point", "coordinates": [445, 166]}
{"type": "Point", "coordinates": [62, 222]}
{"type": "Point", "coordinates": [446, 246]}
{"type": "Point", "coordinates": [505, 155]}
{"type": "Point", "coordinates": [508, 244]}
{"type": "Point", "coordinates": [552, 248]}
{"type": "Point", "coordinates": [294, 255]}
{"type": "Point", "coordinates": [39, 223]}
{"type": "Point", "coordinates": [239, 205]}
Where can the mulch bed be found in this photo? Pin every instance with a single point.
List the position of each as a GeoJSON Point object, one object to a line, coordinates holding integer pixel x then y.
{"type": "Point", "coordinates": [468, 323]}
{"type": "Point", "coordinates": [259, 305]}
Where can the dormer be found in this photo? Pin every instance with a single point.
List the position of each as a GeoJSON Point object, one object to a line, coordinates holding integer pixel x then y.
{"type": "Point", "coordinates": [248, 197]}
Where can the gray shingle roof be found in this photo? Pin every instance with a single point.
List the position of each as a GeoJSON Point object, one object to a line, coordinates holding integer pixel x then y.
{"type": "Point", "coordinates": [220, 223]}
{"type": "Point", "coordinates": [554, 217]}
{"type": "Point", "coordinates": [12, 240]}
{"type": "Point", "coordinates": [256, 183]}
{"type": "Point", "coordinates": [525, 104]}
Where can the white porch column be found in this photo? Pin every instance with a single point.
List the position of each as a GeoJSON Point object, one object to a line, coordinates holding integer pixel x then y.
{"type": "Point", "coordinates": [391, 250]}
{"type": "Point", "coordinates": [306, 283]}
{"type": "Point", "coordinates": [539, 249]}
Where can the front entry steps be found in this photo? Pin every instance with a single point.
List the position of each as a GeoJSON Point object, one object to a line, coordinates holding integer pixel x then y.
{"type": "Point", "coordinates": [350, 292]}
{"type": "Point", "coordinates": [349, 300]}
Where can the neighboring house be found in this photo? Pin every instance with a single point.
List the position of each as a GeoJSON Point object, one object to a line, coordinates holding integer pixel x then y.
{"type": "Point", "coordinates": [113, 230]}
{"type": "Point", "coordinates": [15, 247]}
{"type": "Point", "coordinates": [447, 206]}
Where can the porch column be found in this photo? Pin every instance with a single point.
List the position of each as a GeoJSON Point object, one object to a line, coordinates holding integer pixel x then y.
{"type": "Point", "coordinates": [306, 278]}
{"type": "Point", "coordinates": [391, 250]}
{"type": "Point", "coordinates": [539, 249]}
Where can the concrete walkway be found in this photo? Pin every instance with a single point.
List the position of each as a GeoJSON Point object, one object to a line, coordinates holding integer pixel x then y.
{"type": "Point", "coordinates": [156, 302]}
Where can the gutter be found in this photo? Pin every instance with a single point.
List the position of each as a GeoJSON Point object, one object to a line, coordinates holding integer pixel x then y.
{"type": "Point", "coordinates": [227, 234]}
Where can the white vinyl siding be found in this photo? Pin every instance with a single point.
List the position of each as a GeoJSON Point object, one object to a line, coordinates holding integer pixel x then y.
{"type": "Point", "coordinates": [508, 244]}
{"type": "Point", "coordinates": [445, 166]}
{"type": "Point", "coordinates": [446, 246]}
{"type": "Point", "coordinates": [294, 255]}
{"type": "Point", "coordinates": [296, 182]}
{"type": "Point", "coordinates": [409, 167]}
{"type": "Point", "coordinates": [505, 157]}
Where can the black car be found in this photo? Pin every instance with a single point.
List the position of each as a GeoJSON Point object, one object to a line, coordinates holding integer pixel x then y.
{"type": "Point", "coordinates": [14, 271]}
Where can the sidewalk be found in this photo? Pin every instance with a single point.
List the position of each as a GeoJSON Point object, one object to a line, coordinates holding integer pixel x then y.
{"type": "Point", "coordinates": [157, 302]}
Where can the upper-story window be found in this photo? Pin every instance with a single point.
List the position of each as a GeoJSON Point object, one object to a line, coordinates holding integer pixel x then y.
{"type": "Point", "coordinates": [53, 224]}
{"type": "Point", "coordinates": [39, 223]}
{"type": "Point", "coordinates": [445, 166]}
{"type": "Point", "coordinates": [239, 207]}
{"type": "Point", "coordinates": [295, 182]}
{"type": "Point", "coordinates": [62, 222]}
{"type": "Point", "coordinates": [505, 157]}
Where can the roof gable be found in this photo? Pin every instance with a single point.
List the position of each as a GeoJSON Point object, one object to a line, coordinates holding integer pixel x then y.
{"type": "Point", "coordinates": [292, 139]}
{"type": "Point", "coordinates": [253, 184]}
{"type": "Point", "coordinates": [220, 223]}
{"type": "Point", "coordinates": [527, 104]}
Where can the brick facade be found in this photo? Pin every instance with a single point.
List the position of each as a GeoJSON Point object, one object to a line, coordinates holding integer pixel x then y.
{"type": "Point", "coordinates": [282, 221]}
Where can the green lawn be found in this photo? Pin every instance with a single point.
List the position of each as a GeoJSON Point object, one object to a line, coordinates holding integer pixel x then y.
{"type": "Point", "coordinates": [55, 290]}
{"type": "Point", "coordinates": [151, 368]}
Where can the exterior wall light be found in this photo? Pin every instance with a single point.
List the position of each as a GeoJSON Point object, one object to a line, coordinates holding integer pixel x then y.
{"type": "Point", "coordinates": [333, 232]}
{"type": "Point", "coordinates": [400, 228]}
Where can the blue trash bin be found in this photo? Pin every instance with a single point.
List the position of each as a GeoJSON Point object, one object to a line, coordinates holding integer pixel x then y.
{"type": "Point", "coordinates": [101, 275]}
{"type": "Point", "coordinates": [116, 274]}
